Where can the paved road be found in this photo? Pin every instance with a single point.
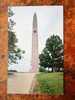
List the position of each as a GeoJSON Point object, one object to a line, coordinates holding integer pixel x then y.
{"type": "Point", "coordinates": [20, 83]}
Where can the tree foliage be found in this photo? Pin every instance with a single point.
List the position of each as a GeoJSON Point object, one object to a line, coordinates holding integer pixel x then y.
{"type": "Point", "coordinates": [52, 54]}
{"type": "Point", "coordinates": [14, 53]}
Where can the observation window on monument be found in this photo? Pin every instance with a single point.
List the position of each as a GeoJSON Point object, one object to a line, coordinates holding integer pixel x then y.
{"type": "Point", "coordinates": [35, 50]}
{"type": "Point", "coordinates": [35, 31]}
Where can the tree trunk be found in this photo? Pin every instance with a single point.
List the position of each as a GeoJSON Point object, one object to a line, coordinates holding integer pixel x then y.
{"type": "Point", "coordinates": [52, 69]}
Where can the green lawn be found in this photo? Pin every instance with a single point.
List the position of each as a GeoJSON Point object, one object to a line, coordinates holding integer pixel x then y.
{"type": "Point", "coordinates": [50, 83]}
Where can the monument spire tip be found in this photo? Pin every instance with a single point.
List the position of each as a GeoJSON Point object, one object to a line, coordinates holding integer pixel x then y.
{"type": "Point", "coordinates": [34, 13]}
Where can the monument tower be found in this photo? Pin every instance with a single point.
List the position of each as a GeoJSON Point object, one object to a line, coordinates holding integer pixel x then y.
{"type": "Point", "coordinates": [34, 59]}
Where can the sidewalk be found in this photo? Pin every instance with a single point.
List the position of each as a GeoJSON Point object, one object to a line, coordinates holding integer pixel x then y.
{"type": "Point", "coordinates": [20, 83]}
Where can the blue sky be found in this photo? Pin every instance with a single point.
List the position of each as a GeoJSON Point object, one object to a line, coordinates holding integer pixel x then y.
{"type": "Point", "coordinates": [50, 21]}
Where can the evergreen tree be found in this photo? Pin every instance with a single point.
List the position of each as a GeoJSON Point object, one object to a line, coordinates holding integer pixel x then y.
{"type": "Point", "coordinates": [52, 55]}
{"type": "Point", "coordinates": [14, 53]}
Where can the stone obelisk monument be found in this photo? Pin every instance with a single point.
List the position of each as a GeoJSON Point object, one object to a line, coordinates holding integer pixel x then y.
{"type": "Point", "coordinates": [34, 58]}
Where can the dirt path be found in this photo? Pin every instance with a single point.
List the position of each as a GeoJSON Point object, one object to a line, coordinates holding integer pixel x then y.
{"type": "Point", "coordinates": [20, 83]}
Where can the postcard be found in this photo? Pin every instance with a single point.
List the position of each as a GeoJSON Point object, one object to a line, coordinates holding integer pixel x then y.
{"type": "Point", "coordinates": [35, 50]}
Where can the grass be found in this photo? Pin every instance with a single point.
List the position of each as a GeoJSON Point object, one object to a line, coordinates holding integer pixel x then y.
{"type": "Point", "coordinates": [49, 83]}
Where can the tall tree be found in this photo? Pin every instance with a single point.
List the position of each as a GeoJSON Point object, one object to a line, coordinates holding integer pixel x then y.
{"type": "Point", "coordinates": [44, 58]}
{"type": "Point", "coordinates": [14, 53]}
{"type": "Point", "coordinates": [53, 55]}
